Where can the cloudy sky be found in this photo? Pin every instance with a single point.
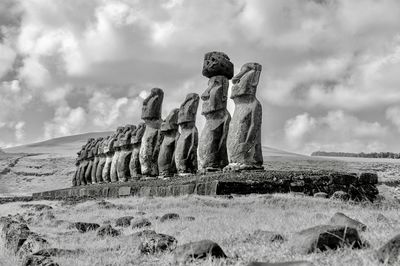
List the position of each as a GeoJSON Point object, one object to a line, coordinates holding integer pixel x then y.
{"type": "Point", "coordinates": [330, 80]}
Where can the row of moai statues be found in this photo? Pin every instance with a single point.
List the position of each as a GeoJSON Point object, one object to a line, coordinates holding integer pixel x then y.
{"type": "Point", "coordinates": [167, 147]}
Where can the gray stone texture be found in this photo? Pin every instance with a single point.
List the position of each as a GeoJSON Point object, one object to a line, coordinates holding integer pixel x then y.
{"type": "Point", "coordinates": [136, 140]}
{"type": "Point", "coordinates": [217, 64]}
{"type": "Point", "coordinates": [96, 159]}
{"type": "Point", "coordinates": [117, 152]}
{"type": "Point", "coordinates": [125, 154]}
{"type": "Point", "coordinates": [102, 160]}
{"type": "Point", "coordinates": [170, 133]}
{"type": "Point", "coordinates": [244, 137]}
{"type": "Point", "coordinates": [109, 150]}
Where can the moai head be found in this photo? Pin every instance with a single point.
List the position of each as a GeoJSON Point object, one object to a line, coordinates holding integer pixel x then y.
{"type": "Point", "coordinates": [188, 109]}
{"type": "Point", "coordinates": [138, 134]}
{"type": "Point", "coordinates": [216, 95]}
{"type": "Point", "coordinates": [217, 64]}
{"type": "Point", "coordinates": [171, 122]}
{"type": "Point", "coordinates": [126, 136]}
{"type": "Point", "coordinates": [245, 83]}
{"type": "Point", "coordinates": [103, 145]}
{"type": "Point", "coordinates": [151, 109]}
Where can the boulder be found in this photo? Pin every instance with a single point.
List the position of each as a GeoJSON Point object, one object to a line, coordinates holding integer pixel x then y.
{"type": "Point", "coordinates": [321, 195]}
{"type": "Point", "coordinates": [151, 243]}
{"type": "Point", "coordinates": [56, 252]}
{"type": "Point", "coordinates": [197, 250]}
{"type": "Point", "coordinates": [124, 221]}
{"type": "Point", "coordinates": [32, 244]}
{"type": "Point", "coordinates": [34, 260]}
{"type": "Point", "coordinates": [37, 207]}
{"type": "Point", "coordinates": [15, 235]}
{"type": "Point", "coordinates": [340, 195]}
{"type": "Point", "coordinates": [85, 227]}
{"type": "Point", "coordinates": [141, 223]}
{"type": "Point", "coordinates": [107, 230]}
{"type": "Point", "coordinates": [326, 237]}
{"type": "Point", "coordinates": [342, 219]}
{"type": "Point", "coordinates": [368, 178]}
{"type": "Point", "coordinates": [343, 178]}
{"type": "Point", "coordinates": [389, 253]}
{"type": "Point", "coordinates": [289, 263]}
{"type": "Point", "coordinates": [265, 236]}
{"type": "Point", "coordinates": [169, 216]}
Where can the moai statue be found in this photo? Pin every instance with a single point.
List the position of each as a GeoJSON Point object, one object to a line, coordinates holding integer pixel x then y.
{"type": "Point", "coordinates": [213, 154]}
{"type": "Point", "coordinates": [91, 159]}
{"type": "Point", "coordinates": [102, 159]}
{"type": "Point", "coordinates": [96, 159]}
{"type": "Point", "coordinates": [109, 150]}
{"type": "Point", "coordinates": [136, 140]}
{"type": "Point", "coordinates": [151, 140]}
{"type": "Point", "coordinates": [170, 133]}
{"type": "Point", "coordinates": [125, 154]}
{"type": "Point", "coordinates": [83, 165]}
{"type": "Point", "coordinates": [244, 137]}
{"type": "Point", "coordinates": [75, 179]}
{"type": "Point", "coordinates": [186, 146]}
{"type": "Point", "coordinates": [117, 152]}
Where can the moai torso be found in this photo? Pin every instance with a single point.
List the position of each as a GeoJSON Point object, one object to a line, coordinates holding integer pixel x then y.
{"type": "Point", "coordinates": [186, 147]}
{"type": "Point", "coordinates": [117, 149]}
{"type": "Point", "coordinates": [136, 140]}
{"type": "Point", "coordinates": [125, 153]}
{"type": "Point", "coordinates": [244, 137]}
{"type": "Point", "coordinates": [151, 140]}
{"type": "Point", "coordinates": [170, 133]}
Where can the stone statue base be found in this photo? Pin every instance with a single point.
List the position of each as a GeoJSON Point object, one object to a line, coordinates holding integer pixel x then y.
{"type": "Point", "coordinates": [236, 167]}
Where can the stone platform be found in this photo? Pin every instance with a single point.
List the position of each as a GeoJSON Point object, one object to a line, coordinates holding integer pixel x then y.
{"type": "Point", "coordinates": [361, 186]}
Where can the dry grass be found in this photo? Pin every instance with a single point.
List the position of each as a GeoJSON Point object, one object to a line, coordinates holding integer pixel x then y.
{"type": "Point", "coordinates": [229, 222]}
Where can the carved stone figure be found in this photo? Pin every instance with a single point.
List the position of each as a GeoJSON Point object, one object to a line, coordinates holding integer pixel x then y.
{"type": "Point", "coordinates": [83, 165]}
{"type": "Point", "coordinates": [110, 151]}
{"type": "Point", "coordinates": [217, 64]}
{"type": "Point", "coordinates": [75, 179]}
{"type": "Point", "coordinates": [151, 140]}
{"type": "Point", "coordinates": [117, 153]}
{"type": "Point", "coordinates": [136, 140]}
{"type": "Point", "coordinates": [186, 146]}
{"type": "Point", "coordinates": [96, 159]}
{"type": "Point", "coordinates": [102, 159]}
{"type": "Point", "coordinates": [91, 159]}
{"type": "Point", "coordinates": [125, 154]}
{"type": "Point", "coordinates": [213, 154]}
{"type": "Point", "coordinates": [170, 133]}
{"type": "Point", "coordinates": [244, 137]}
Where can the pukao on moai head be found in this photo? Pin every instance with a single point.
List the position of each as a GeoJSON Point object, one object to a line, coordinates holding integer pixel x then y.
{"type": "Point", "coordinates": [217, 64]}
{"type": "Point", "coordinates": [170, 133]}
{"type": "Point", "coordinates": [136, 140]}
{"type": "Point", "coordinates": [125, 153]}
{"type": "Point", "coordinates": [150, 146]}
{"type": "Point", "coordinates": [244, 138]}
{"type": "Point", "coordinates": [186, 147]}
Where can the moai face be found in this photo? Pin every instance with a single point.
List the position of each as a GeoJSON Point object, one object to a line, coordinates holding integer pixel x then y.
{"type": "Point", "coordinates": [216, 64]}
{"type": "Point", "coordinates": [126, 136]}
{"type": "Point", "coordinates": [151, 109]}
{"type": "Point", "coordinates": [171, 122]}
{"type": "Point", "coordinates": [216, 95]}
{"type": "Point", "coordinates": [188, 109]}
{"type": "Point", "coordinates": [138, 134]}
{"type": "Point", "coordinates": [245, 83]}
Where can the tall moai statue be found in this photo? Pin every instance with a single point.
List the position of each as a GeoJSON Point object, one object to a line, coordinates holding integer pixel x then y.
{"type": "Point", "coordinates": [186, 146]}
{"type": "Point", "coordinates": [102, 159]}
{"type": "Point", "coordinates": [117, 153]}
{"type": "Point", "coordinates": [91, 160]}
{"type": "Point", "coordinates": [213, 154]}
{"type": "Point", "coordinates": [136, 140]}
{"type": "Point", "coordinates": [170, 133]}
{"type": "Point", "coordinates": [151, 140]}
{"type": "Point", "coordinates": [96, 159]}
{"type": "Point", "coordinates": [83, 165]}
{"type": "Point", "coordinates": [244, 137]}
{"type": "Point", "coordinates": [75, 180]}
{"type": "Point", "coordinates": [110, 152]}
{"type": "Point", "coordinates": [125, 154]}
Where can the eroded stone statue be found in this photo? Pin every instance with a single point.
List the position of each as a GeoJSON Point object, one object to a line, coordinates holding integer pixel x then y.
{"type": "Point", "coordinates": [102, 159]}
{"type": "Point", "coordinates": [117, 153]}
{"type": "Point", "coordinates": [109, 151]}
{"type": "Point", "coordinates": [151, 140]}
{"type": "Point", "coordinates": [186, 146]}
{"type": "Point", "coordinates": [244, 137]}
{"type": "Point", "coordinates": [170, 133]}
{"type": "Point", "coordinates": [96, 159]}
{"type": "Point", "coordinates": [136, 140]}
{"type": "Point", "coordinates": [125, 154]}
{"type": "Point", "coordinates": [83, 165]}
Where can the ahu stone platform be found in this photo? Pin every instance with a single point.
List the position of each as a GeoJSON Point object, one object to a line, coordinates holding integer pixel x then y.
{"type": "Point", "coordinates": [361, 186]}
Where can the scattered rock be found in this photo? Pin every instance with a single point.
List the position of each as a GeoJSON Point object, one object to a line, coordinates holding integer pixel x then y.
{"type": "Point", "coordinates": [85, 227]}
{"type": "Point", "coordinates": [190, 218]}
{"type": "Point", "coordinates": [326, 237]}
{"type": "Point", "coordinates": [169, 216]}
{"type": "Point", "coordinates": [141, 223]}
{"type": "Point", "coordinates": [197, 250]}
{"type": "Point", "coordinates": [343, 178]}
{"type": "Point", "coordinates": [265, 236]}
{"type": "Point", "coordinates": [15, 235]}
{"type": "Point", "coordinates": [342, 219]}
{"type": "Point", "coordinates": [389, 252]}
{"type": "Point", "coordinates": [124, 221]}
{"type": "Point", "coordinates": [368, 178]}
{"type": "Point", "coordinates": [289, 263]}
{"type": "Point", "coordinates": [56, 252]}
{"type": "Point", "coordinates": [340, 195]}
{"type": "Point", "coordinates": [152, 243]}
{"type": "Point", "coordinates": [108, 230]}
{"type": "Point", "coordinates": [106, 204]}
{"type": "Point", "coordinates": [32, 244]}
{"type": "Point", "coordinates": [37, 207]}
{"type": "Point", "coordinates": [144, 233]}
{"type": "Point", "coordinates": [34, 260]}
{"type": "Point", "coordinates": [321, 195]}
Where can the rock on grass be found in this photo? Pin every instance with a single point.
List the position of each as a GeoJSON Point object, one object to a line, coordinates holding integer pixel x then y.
{"type": "Point", "coordinates": [289, 263]}
{"type": "Point", "coordinates": [340, 195]}
{"type": "Point", "coordinates": [389, 253]}
{"type": "Point", "coordinates": [37, 207]}
{"type": "Point", "coordinates": [141, 223]}
{"type": "Point", "coordinates": [15, 235]}
{"type": "Point", "coordinates": [34, 260]}
{"type": "Point", "coordinates": [85, 227]}
{"type": "Point", "coordinates": [124, 221]}
{"type": "Point", "coordinates": [56, 252]}
{"type": "Point", "coordinates": [152, 243]}
{"type": "Point", "coordinates": [169, 216]}
{"type": "Point", "coordinates": [198, 250]}
{"type": "Point", "coordinates": [31, 245]}
{"type": "Point", "coordinates": [108, 230]}
{"type": "Point", "coordinates": [342, 219]}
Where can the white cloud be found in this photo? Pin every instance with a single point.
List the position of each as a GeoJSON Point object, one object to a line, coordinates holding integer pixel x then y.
{"type": "Point", "coordinates": [66, 121]}
{"type": "Point", "coordinates": [296, 128]}
{"type": "Point", "coordinates": [393, 115]}
{"type": "Point", "coordinates": [7, 57]}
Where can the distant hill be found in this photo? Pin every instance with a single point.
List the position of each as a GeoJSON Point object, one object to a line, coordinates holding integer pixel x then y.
{"type": "Point", "coordinates": [390, 155]}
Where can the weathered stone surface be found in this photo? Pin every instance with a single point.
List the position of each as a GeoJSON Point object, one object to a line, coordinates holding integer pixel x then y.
{"type": "Point", "coordinates": [152, 243]}
{"type": "Point", "coordinates": [368, 178]}
{"type": "Point", "coordinates": [14, 235]}
{"type": "Point", "coordinates": [326, 237]}
{"type": "Point", "coordinates": [213, 154]}
{"type": "Point", "coordinates": [321, 195]}
{"type": "Point", "coordinates": [343, 220]}
{"type": "Point", "coordinates": [136, 140]}
{"type": "Point", "coordinates": [96, 160]}
{"type": "Point", "coordinates": [109, 151]}
{"type": "Point", "coordinates": [36, 207]}
{"type": "Point", "coordinates": [216, 64]}
{"type": "Point", "coordinates": [343, 178]}
{"type": "Point", "coordinates": [36, 260]}
{"type": "Point", "coordinates": [166, 157]}
{"type": "Point", "coordinates": [117, 153]}
{"type": "Point", "coordinates": [151, 140]}
{"type": "Point", "coordinates": [57, 252]}
{"type": "Point", "coordinates": [124, 221]}
{"type": "Point", "coordinates": [143, 222]}
{"type": "Point", "coordinates": [390, 252]}
{"type": "Point", "coordinates": [340, 195]}
{"type": "Point", "coordinates": [265, 236]}
{"type": "Point", "coordinates": [197, 250]}
{"type": "Point", "coordinates": [288, 263]}
{"type": "Point", "coordinates": [85, 227]}
{"type": "Point", "coordinates": [124, 191]}
{"type": "Point", "coordinates": [169, 216]}
{"type": "Point", "coordinates": [186, 146]}
{"type": "Point", "coordinates": [244, 136]}
{"type": "Point", "coordinates": [107, 230]}
{"type": "Point", "coordinates": [125, 154]}
{"type": "Point", "coordinates": [102, 159]}
{"type": "Point", "coordinates": [32, 244]}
